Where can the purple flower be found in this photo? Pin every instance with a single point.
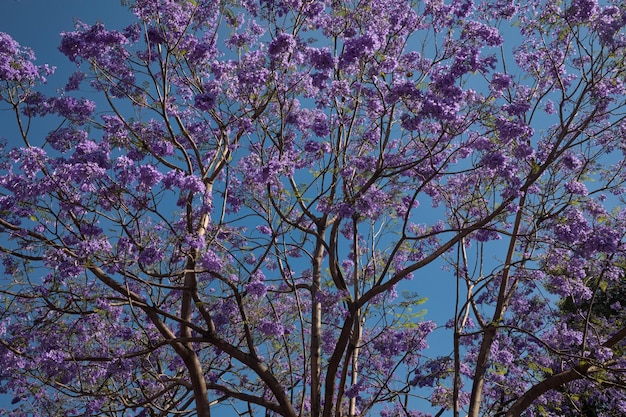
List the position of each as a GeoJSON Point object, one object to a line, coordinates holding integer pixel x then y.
{"type": "Point", "coordinates": [462, 8]}
{"type": "Point", "coordinates": [602, 239]}
{"type": "Point", "coordinates": [517, 108]}
{"type": "Point", "coordinates": [355, 389]}
{"type": "Point", "coordinates": [89, 42]}
{"type": "Point", "coordinates": [549, 107]}
{"type": "Point", "coordinates": [355, 48]}
{"type": "Point", "coordinates": [74, 81]}
{"type": "Point", "coordinates": [151, 255]}
{"type": "Point", "coordinates": [512, 130]}
{"type": "Point", "coordinates": [320, 125]}
{"type": "Point", "coordinates": [205, 101]}
{"type": "Point", "coordinates": [581, 10]}
{"type": "Point", "coordinates": [132, 32]}
{"type": "Point", "coordinates": [125, 170]}
{"type": "Point", "coordinates": [485, 235]}
{"type": "Point", "coordinates": [64, 138]}
{"type": "Point", "coordinates": [572, 227]}
{"type": "Point", "coordinates": [178, 179]}
{"type": "Point", "coordinates": [211, 261]}
{"type": "Point", "coordinates": [16, 61]}
{"type": "Point", "coordinates": [266, 230]}
{"type": "Point", "coordinates": [576, 187]}
{"type": "Point", "coordinates": [89, 151]}
{"type": "Point", "coordinates": [281, 46]}
{"type": "Point", "coordinates": [256, 289]}
{"type": "Point", "coordinates": [148, 176]}
{"type": "Point", "coordinates": [252, 73]}
{"type": "Point", "coordinates": [199, 51]}
{"type": "Point", "coordinates": [271, 327]}
{"type": "Point", "coordinates": [32, 160]}
{"type": "Point", "coordinates": [494, 160]}
{"type": "Point", "coordinates": [499, 82]}
{"type": "Point", "coordinates": [479, 31]}
{"type": "Point", "coordinates": [312, 146]}
{"type": "Point", "coordinates": [76, 110]}
{"type": "Point", "coordinates": [608, 23]}
{"type": "Point", "coordinates": [571, 161]}
{"type": "Point", "coordinates": [524, 151]}
{"type": "Point", "coordinates": [321, 59]}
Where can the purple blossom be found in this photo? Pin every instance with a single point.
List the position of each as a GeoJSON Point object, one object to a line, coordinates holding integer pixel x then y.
{"type": "Point", "coordinates": [126, 172]}
{"type": "Point", "coordinates": [320, 125]}
{"type": "Point", "coordinates": [354, 390]}
{"type": "Point", "coordinates": [61, 263]}
{"type": "Point", "coordinates": [462, 8]}
{"type": "Point", "coordinates": [132, 32]}
{"type": "Point", "coordinates": [494, 160]}
{"type": "Point", "coordinates": [106, 49]}
{"type": "Point", "coordinates": [312, 146]}
{"type": "Point", "coordinates": [114, 129]}
{"type": "Point", "coordinates": [356, 48]}
{"type": "Point", "coordinates": [485, 235]}
{"type": "Point", "coordinates": [271, 327]}
{"type": "Point", "coordinates": [63, 138]}
{"type": "Point", "coordinates": [179, 179]}
{"type": "Point", "coordinates": [252, 73]}
{"type": "Point", "coordinates": [199, 51]}
{"type": "Point", "coordinates": [211, 261]}
{"type": "Point", "coordinates": [256, 289]}
{"type": "Point", "coordinates": [474, 30]}
{"type": "Point", "coordinates": [92, 247]}
{"type": "Point", "coordinates": [321, 59]}
{"type": "Point", "coordinates": [89, 42]}
{"type": "Point", "coordinates": [602, 239]}
{"type": "Point", "coordinates": [576, 187]}
{"type": "Point", "coordinates": [581, 10]}
{"type": "Point", "coordinates": [549, 107]}
{"type": "Point", "coordinates": [76, 110]}
{"type": "Point", "coordinates": [518, 107]}
{"type": "Point", "coordinates": [294, 137]}
{"type": "Point", "coordinates": [205, 101]}
{"type": "Point", "coordinates": [572, 227]}
{"type": "Point", "coordinates": [282, 46]}
{"type": "Point", "coordinates": [571, 161]}
{"type": "Point", "coordinates": [32, 160]}
{"type": "Point", "coordinates": [89, 151]}
{"type": "Point", "coordinates": [524, 151]}
{"type": "Point", "coordinates": [512, 130]}
{"type": "Point", "coordinates": [74, 81]}
{"type": "Point", "coordinates": [608, 23]}
{"type": "Point", "coordinates": [151, 255]}
{"type": "Point", "coordinates": [264, 229]}
{"type": "Point", "coordinates": [372, 204]}
{"type": "Point", "coordinates": [16, 61]}
{"type": "Point", "coordinates": [148, 176]}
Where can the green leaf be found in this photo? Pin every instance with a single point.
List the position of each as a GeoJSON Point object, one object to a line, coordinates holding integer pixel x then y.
{"type": "Point", "coordinates": [534, 170]}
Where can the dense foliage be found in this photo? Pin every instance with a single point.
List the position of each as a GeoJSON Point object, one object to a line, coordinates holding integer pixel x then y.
{"type": "Point", "coordinates": [239, 206]}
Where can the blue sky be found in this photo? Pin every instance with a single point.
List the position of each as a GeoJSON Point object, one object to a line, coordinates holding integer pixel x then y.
{"type": "Point", "coordinates": [35, 24]}
{"type": "Point", "coordinates": [38, 23]}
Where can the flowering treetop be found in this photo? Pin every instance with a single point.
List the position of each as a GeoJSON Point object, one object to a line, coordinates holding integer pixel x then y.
{"type": "Point", "coordinates": [236, 200]}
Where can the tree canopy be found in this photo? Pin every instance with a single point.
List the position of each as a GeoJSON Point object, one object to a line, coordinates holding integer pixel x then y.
{"type": "Point", "coordinates": [238, 207]}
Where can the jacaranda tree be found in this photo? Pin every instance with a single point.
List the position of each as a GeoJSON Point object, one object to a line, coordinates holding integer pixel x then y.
{"type": "Point", "coordinates": [239, 205]}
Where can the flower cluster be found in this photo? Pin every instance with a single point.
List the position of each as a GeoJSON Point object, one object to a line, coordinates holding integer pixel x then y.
{"type": "Point", "coordinates": [16, 62]}
{"type": "Point", "coordinates": [264, 178]}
